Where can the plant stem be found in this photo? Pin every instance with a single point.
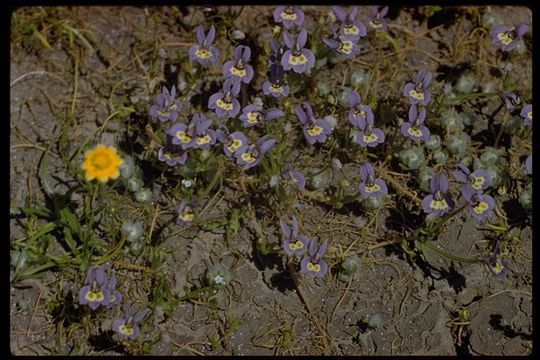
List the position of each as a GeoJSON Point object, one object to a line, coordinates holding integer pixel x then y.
{"type": "Point", "coordinates": [316, 320]}
{"type": "Point", "coordinates": [470, 260]}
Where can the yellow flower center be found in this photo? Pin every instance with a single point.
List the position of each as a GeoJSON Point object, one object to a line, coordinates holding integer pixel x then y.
{"type": "Point", "coordinates": [351, 30]}
{"type": "Point", "coordinates": [415, 132]}
{"type": "Point", "coordinates": [498, 267]}
{"type": "Point", "coordinates": [369, 138]}
{"type": "Point", "coordinates": [375, 25]}
{"type": "Point", "coordinates": [185, 138]}
{"type": "Point", "coordinates": [529, 115]}
{"type": "Point", "coordinates": [505, 37]}
{"type": "Point", "coordinates": [203, 53]}
{"type": "Point", "coordinates": [248, 157]}
{"type": "Point", "coordinates": [94, 296]}
{"type": "Point", "coordinates": [201, 140]}
{"type": "Point", "coordinates": [438, 204]}
{"type": "Point", "coordinates": [314, 130]}
{"type": "Point", "coordinates": [313, 266]}
{"type": "Point", "coordinates": [235, 145]}
{"type": "Point", "coordinates": [346, 47]}
{"type": "Point", "coordinates": [253, 117]}
{"type": "Point", "coordinates": [478, 182]}
{"type": "Point", "coordinates": [296, 245]}
{"type": "Point", "coordinates": [102, 163]}
{"type": "Point", "coordinates": [481, 207]}
{"type": "Point", "coordinates": [224, 105]}
{"type": "Point", "coordinates": [373, 188]}
{"type": "Point", "coordinates": [126, 329]}
{"type": "Point", "coordinates": [276, 88]}
{"type": "Point", "coordinates": [297, 59]}
{"type": "Point", "coordinates": [288, 16]}
{"type": "Point", "coordinates": [238, 72]}
{"type": "Point", "coordinates": [187, 216]}
{"type": "Point", "coordinates": [417, 95]}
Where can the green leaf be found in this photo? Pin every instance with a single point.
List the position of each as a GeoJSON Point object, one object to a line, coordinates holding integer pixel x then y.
{"type": "Point", "coordinates": [70, 242]}
{"type": "Point", "coordinates": [213, 224]}
{"type": "Point", "coordinates": [460, 98]}
{"type": "Point", "coordinates": [68, 219]}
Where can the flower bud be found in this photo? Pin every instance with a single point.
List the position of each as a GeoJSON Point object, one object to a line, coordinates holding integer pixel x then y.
{"type": "Point", "coordinates": [434, 142]}
{"type": "Point", "coordinates": [373, 202]}
{"type": "Point", "coordinates": [424, 175]}
{"type": "Point", "coordinates": [411, 158]}
{"type": "Point", "coordinates": [237, 35]}
{"type": "Point", "coordinates": [465, 84]}
{"type": "Point", "coordinates": [489, 157]}
{"type": "Point", "coordinates": [143, 195]}
{"type": "Point", "coordinates": [133, 230]}
{"type": "Point", "coordinates": [134, 184]}
{"type": "Point", "coordinates": [458, 145]}
{"type": "Point", "coordinates": [525, 198]}
{"type": "Point", "coordinates": [322, 179]}
{"type": "Point", "coordinates": [440, 156]}
{"type": "Point", "coordinates": [127, 169]}
{"type": "Point", "coordinates": [218, 276]}
{"type": "Point", "coordinates": [343, 97]}
{"type": "Point", "coordinates": [359, 77]}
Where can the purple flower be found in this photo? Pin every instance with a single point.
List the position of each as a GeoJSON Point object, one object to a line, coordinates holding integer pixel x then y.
{"type": "Point", "coordinates": [203, 52]}
{"type": "Point", "coordinates": [376, 21]}
{"type": "Point", "coordinates": [297, 58]}
{"type": "Point", "coordinates": [172, 155]}
{"type": "Point", "coordinates": [185, 213]}
{"type": "Point", "coordinates": [315, 130]}
{"type": "Point", "coordinates": [511, 100]}
{"type": "Point", "coordinates": [293, 245]}
{"type": "Point", "coordinates": [480, 205]}
{"type": "Point", "coordinates": [417, 92]}
{"type": "Point", "coordinates": [508, 37]}
{"type": "Point", "coordinates": [276, 85]}
{"type": "Point", "coordinates": [253, 154]}
{"type": "Point", "coordinates": [528, 165]}
{"type": "Point", "coordinates": [203, 137]}
{"type": "Point", "coordinates": [526, 114]}
{"type": "Point", "coordinates": [182, 134]}
{"type": "Point", "coordinates": [343, 45]}
{"type": "Point", "coordinates": [97, 291]}
{"type": "Point", "coordinates": [313, 263]}
{"type": "Point", "coordinates": [238, 68]}
{"type": "Point", "coordinates": [116, 296]}
{"type": "Point", "coordinates": [255, 115]}
{"type": "Point", "coordinates": [166, 107]}
{"type": "Point", "coordinates": [225, 101]}
{"type": "Point", "coordinates": [414, 128]}
{"type": "Point", "coordinates": [128, 326]}
{"type": "Point", "coordinates": [289, 15]}
{"type": "Point", "coordinates": [369, 185]}
{"type": "Point", "coordinates": [350, 27]}
{"type": "Point", "coordinates": [233, 144]}
{"type": "Point", "coordinates": [293, 177]}
{"type": "Point", "coordinates": [477, 180]}
{"type": "Point", "coordinates": [277, 52]}
{"type": "Point", "coordinates": [439, 201]}
{"type": "Point", "coordinates": [368, 135]}
{"type": "Point", "coordinates": [496, 265]}
{"type": "Point", "coordinates": [359, 114]}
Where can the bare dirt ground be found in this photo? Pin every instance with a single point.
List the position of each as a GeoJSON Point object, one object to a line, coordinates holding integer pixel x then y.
{"type": "Point", "coordinates": [67, 91]}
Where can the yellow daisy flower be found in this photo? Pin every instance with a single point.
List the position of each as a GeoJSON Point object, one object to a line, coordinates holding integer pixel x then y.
{"type": "Point", "coordinates": [101, 162]}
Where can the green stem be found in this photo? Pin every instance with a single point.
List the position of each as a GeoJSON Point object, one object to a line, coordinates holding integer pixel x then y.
{"type": "Point", "coordinates": [470, 260]}
{"type": "Point", "coordinates": [194, 293]}
{"type": "Point", "coordinates": [499, 135]}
